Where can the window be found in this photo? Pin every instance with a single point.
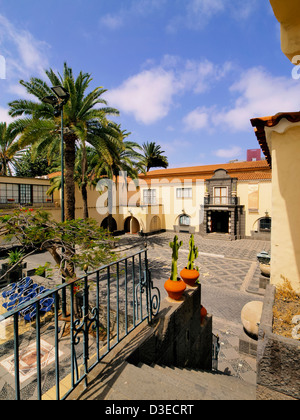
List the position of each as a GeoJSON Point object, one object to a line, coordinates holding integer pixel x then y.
{"type": "Point", "coordinates": [25, 194]}
{"type": "Point", "coordinates": [220, 195]}
{"type": "Point", "coordinates": [184, 193]}
{"type": "Point", "coordinates": [265, 224]}
{"type": "Point", "coordinates": [184, 220]}
{"type": "Point", "coordinates": [149, 196]}
{"type": "Point", "coordinates": [40, 194]}
{"type": "Point", "coordinates": [9, 193]}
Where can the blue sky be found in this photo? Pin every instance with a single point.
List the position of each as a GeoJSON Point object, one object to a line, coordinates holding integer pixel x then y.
{"type": "Point", "coordinates": [187, 74]}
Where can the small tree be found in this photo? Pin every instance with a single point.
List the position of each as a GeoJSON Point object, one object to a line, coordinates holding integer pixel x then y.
{"type": "Point", "coordinates": [72, 244]}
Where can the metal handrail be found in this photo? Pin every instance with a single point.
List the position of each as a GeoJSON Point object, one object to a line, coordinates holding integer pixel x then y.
{"type": "Point", "coordinates": [133, 289]}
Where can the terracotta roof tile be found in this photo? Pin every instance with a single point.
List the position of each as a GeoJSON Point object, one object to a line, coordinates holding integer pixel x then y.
{"type": "Point", "coordinates": [241, 170]}
{"type": "Point", "coordinates": [208, 170]}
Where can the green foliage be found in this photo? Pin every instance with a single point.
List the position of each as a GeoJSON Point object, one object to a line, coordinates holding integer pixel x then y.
{"type": "Point", "coordinates": [82, 241]}
{"type": "Point", "coordinates": [14, 257]}
{"type": "Point", "coordinates": [31, 166]}
{"type": "Point", "coordinates": [9, 151]}
{"type": "Point", "coordinates": [193, 254]}
{"type": "Point", "coordinates": [85, 122]}
{"type": "Point", "coordinates": [175, 245]}
{"type": "Point", "coordinates": [41, 270]}
{"type": "Point", "coordinates": [153, 157]}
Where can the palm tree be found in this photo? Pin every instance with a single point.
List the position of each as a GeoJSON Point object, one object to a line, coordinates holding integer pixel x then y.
{"type": "Point", "coordinates": [83, 120]}
{"type": "Point", "coordinates": [153, 157]}
{"type": "Point", "coordinates": [8, 149]}
{"type": "Point", "coordinates": [82, 178]}
{"type": "Point", "coordinates": [86, 160]}
{"type": "Point", "coordinates": [125, 158]}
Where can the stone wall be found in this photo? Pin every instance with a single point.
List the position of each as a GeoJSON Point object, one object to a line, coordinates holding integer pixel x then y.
{"type": "Point", "coordinates": [278, 358]}
{"type": "Point", "coordinates": [178, 337]}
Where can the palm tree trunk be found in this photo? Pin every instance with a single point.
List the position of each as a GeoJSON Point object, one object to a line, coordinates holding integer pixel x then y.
{"type": "Point", "coordinates": [85, 201]}
{"type": "Point", "coordinates": [84, 184]}
{"type": "Point", "coordinates": [69, 176]}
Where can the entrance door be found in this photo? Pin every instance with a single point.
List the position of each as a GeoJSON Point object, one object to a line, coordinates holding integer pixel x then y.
{"type": "Point", "coordinates": [220, 221]}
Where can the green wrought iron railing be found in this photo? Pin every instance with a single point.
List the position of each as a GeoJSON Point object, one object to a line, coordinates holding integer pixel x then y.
{"type": "Point", "coordinates": [44, 351]}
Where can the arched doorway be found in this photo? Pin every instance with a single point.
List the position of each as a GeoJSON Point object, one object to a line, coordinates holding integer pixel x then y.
{"type": "Point", "coordinates": [155, 224]}
{"type": "Point", "coordinates": [131, 225]}
{"type": "Point", "coordinates": [105, 224]}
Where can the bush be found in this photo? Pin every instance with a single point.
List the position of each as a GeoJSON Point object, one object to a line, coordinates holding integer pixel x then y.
{"type": "Point", "coordinates": [73, 244]}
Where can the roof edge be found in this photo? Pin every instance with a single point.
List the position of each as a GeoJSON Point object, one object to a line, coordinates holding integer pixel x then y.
{"type": "Point", "coordinates": [260, 123]}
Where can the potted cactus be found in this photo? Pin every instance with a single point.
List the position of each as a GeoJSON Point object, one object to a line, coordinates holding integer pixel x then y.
{"type": "Point", "coordinates": [175, 286]}
{"type": "Point", "coordinates": [190, 274]}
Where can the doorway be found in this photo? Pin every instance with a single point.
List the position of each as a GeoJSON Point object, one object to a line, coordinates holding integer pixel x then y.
{"type": "Point", "coordinates": [220, 221]}
{"type": "Point", "coordinates": [131, 225]}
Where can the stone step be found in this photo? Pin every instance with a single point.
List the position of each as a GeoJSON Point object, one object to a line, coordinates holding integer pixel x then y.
{"type": "Point", "coordinates": [136, 384]}
{"type": "Point", "coordinates": [159, 383]}
{"type": "Point", "coordinates": [219, 236]}
{"type": "Point", "coordinates": [217, 384]}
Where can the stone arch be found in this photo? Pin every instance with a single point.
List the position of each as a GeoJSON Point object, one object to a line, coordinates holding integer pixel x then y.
{"type": "Point", "coordinates": [131, 225]}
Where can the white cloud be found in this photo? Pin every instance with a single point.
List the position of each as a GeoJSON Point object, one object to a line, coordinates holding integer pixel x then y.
{"type": "Point", "coordinates": [24, 54]}
{"type": "Point", "coordinates": [4, 117]}
{"type": "Point", "coordinates": [231, 153]}
{"type": "Point", "coordinates": [258, 94]}
{"type": "Point", "coordinates": [198, 13]}
{"type": "Point", "coordinates": [147, 95]}
{"type": "Point", "coordinates": [200, 76]}
{"type": "Point", "coordinates": [196, 120]}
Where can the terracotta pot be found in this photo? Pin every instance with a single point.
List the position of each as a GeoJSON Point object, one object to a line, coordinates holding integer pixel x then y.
{"type": "Point", "coordinates": [203, 313]}
{"type": "Point", "coordinates": [189, 276]}
{"type": "Point", "coordinates": [175, 289]}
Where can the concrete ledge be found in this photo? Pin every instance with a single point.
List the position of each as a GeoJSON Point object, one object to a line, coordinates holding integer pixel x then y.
{"type": "Point", "coordinates": [278, 358]}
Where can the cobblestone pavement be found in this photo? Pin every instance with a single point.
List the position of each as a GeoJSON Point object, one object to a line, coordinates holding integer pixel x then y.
{"type": "Point", "coordinates": [229, 275]}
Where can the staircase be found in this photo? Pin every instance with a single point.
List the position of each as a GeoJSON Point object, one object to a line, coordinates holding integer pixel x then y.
{"type": "Point", "coordinates": [160, 383]}
{"type": "Point", "coordinates": [219, 236]}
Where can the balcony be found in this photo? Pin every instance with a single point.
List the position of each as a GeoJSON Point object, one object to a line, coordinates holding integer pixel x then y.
{"type": "Point", "coordinates": [221, 201]}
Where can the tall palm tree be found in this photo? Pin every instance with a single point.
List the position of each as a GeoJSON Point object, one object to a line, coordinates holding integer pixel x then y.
{"type": "Point", "coordinates": [153, 157]}
{"type": "Point", "coordinates": [8, 149]}
{"type": "Point", "coordinates": [83, 120]}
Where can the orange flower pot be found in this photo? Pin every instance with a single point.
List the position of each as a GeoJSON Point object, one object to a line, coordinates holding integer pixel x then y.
{"type": "Point", "coordinates": [175, 289]}
{"type": "Point", "coordinates": [203, 313]}
{"type": "Point", "coordinates": [189, 276]}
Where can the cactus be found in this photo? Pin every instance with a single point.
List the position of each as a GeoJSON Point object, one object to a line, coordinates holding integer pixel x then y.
{"type": "Point", "coordinates": [175, 245]}
{"type": "Point", "coordinates": [193, 255]}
